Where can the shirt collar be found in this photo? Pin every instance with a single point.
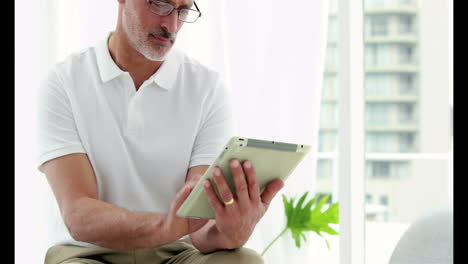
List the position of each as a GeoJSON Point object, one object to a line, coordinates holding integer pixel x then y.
{"type": "Point", "coordinates": [164, 77]}
{"type": "Point", "coordinates": [106, 65]}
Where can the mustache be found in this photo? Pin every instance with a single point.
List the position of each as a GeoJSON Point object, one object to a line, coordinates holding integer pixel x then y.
{"type": "Point", "coordinates": [163, 33]}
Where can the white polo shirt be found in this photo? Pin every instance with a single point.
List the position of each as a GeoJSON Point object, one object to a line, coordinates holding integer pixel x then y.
{"type": "Point", "coordinates": [140, 143]}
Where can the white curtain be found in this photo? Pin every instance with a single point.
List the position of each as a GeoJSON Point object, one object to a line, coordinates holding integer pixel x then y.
{"type": "Point", "coordinates": [271, 54]}
{"type": "Point", "coordinates": [277, 55]}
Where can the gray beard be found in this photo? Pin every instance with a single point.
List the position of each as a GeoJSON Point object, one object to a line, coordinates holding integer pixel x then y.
{"type": "Point", "coordinates": [140, 43]}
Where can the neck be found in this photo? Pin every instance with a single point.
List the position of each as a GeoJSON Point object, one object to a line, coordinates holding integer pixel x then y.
{"type": "Point", "coordinates": [130, 60]}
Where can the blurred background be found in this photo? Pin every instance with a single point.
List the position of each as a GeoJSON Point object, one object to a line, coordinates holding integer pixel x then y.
{"type": "Point", "coordinates": [408, 115]}
{"type": "Point", "coordinates": [282, 63]}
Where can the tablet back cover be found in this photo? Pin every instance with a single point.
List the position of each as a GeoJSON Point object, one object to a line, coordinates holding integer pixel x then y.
{"type": "Point", "coordinates": [270, 159]}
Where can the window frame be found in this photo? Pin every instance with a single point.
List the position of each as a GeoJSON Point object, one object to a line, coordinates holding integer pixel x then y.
{"type": "Point", "coordinates": [351, 164]}
{"type": "Point", "coordinates": [350, 158]}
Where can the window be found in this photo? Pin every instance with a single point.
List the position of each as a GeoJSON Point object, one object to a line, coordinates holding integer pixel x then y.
{"type": "Point", "coordinates": [328, 115]}
{"type": "Point", "coordinates": [324, 168]}
{"type": "Point", "coordinates": [407, 120]}
{"type": "Point", "coordinates": [401, 169]}
{"type": "Point", "coordinates": [407, 84]}
{"type": "Point", "coordinates": [405, 25]}
{"type": "Point", "coordinates": [408, 157]}
{"type": "Point", "coordinates": [410, 3]}
{"type": "Point", "coordinates": [375, 4]}
{"type": "Point", "coordinates": [379, 141]}
{"type": "Point", "coordinates": [378, 25]}
{"type": "Point", "coordinates": [377, 84]}
{"type": "Point", "coordinates": [322, 195]}
{"type": "Point", "coordinates": [380, 169]}
{"type": "Point", "coordinates": [327, 139]}
{"type": "Point", "coordinates": [377, 114]}
{"type": "Point", "coordinates": [384, 200]}
{"type": "Point", "coordinates": [406, 54]}
{"type": "Point", "coordinates": [407, 142]}
{"type": "Point", "coordinates": [386, 169]}
{"type": "Point", "coordinates": [330, 87]}
{"type": "Point", "coordinates": [377, 55]}
{"type": "Point", "coordinates": [407, 113]}
{"type": "Point", "coordinates": [331, 58]}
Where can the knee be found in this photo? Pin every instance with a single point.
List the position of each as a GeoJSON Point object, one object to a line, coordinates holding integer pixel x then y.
{"type": "Point", "coordinates": [240, 255]}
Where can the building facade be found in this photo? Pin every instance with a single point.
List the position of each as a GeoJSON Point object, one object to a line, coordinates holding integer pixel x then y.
{"type": "Point", "coordinates": [407, 108]}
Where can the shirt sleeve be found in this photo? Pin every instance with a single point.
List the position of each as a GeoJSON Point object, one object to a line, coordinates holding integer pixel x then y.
{"type": "Point", "coordinates": [216, 127]}
{"type": "Point", "coordinates": [57, 133]}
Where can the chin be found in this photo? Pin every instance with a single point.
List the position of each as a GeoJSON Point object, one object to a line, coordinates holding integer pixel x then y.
{"type": "Point", "coordinates": [156, 55]}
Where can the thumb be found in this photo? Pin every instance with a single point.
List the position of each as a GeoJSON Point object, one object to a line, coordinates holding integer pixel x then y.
{"type": "Point", "coordinates": [180, 198]}
{"type": "Point", "coordinates": [271, 190]}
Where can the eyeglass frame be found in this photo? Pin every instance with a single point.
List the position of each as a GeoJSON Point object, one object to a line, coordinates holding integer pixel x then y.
{"type": "Point", "coordinates": [174, 8]}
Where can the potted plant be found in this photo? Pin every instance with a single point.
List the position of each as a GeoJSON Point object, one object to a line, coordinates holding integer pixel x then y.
{"type": "Point", "coordinates": [308, 218]}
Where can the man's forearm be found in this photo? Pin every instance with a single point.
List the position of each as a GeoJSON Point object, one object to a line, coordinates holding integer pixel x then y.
{"type": "Point", "coordinates": [109, 226]}
{"type": "Point", "coordinates": [209, 239]}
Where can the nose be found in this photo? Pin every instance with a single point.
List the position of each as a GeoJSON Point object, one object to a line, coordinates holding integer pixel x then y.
{"type": "Point", "coordinates": [171, 22]}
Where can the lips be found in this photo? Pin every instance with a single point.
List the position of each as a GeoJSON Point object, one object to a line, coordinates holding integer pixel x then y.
{"type": "Point", "coordinates": [162, 40]}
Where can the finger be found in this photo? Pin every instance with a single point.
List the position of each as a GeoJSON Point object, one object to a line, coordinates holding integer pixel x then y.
{"type": "Point", "coordinates": [252, 181]}
{"type": "Point", "coordinates": [223, 188]}
{"type": "Point", "coordinates": [240, 182]}
{"type": "Point", "coordinates": [271, 190]}
{"type": "Point", "coordinates": [180, 198]}
{"type": "Point", "coordinates": [212, 197]}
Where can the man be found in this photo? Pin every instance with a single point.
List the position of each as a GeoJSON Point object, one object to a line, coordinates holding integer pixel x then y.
{"type": "Point", "coordinates": [126, 129]}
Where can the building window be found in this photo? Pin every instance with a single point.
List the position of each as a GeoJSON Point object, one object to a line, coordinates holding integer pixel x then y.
{"type": "Point", "coordinates": [406, 25]}
{"type": "Point", "coordinates": [330, 87]}
{"type": "Point", "coordinates": [321, 195]}
{"type": "Point", "coordinates": [377, 55]}
{"type": "Point", "coordinates": [324, 168]}
{"type": "Point", "coordinates": [384, 200]}
{"type": "Point", "coordinates": [331, 60]}
{"type": "Point", "coordinates": [327, 141]}
{"type": "Point", "coordinates": [380, 169]}
{"type": "Point", "coordinates": [375, 3]}
{"type": "Point", "coordinates": [377, 85]}
{"type": "Point", "coordinates": [378, 25]}
{"type": "Point", "coordinates": [403, 3]}
{"type": "Point", "coordinates": [401, 169]}
{"type": "Point", "coordinates": [377, 114]}
{"type": "Point", "coordinates": [329, 115]}
{"type": "Point", "coordinates": [407, 142]}
{"type": "Point", "coordinates": [407, 84]}
{"type": "Point", "coordinates": [406, 113]}
{"type": "Point", "coordinates": [406, 54]}
{"type": "Point", "coordinates": [378, 142]}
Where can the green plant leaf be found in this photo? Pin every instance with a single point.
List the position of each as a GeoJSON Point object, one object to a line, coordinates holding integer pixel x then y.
{"type": "Point", "coordinates": [287, 206]}
{"type": "Point", "coordinates": [308, 218]}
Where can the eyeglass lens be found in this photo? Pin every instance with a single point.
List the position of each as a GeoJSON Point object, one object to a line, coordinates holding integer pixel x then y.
{"type": "Point", "coordinates": [164, 9]}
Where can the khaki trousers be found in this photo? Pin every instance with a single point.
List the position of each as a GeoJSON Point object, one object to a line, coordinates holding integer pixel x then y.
{"type": "Point", "coordinates": [178, 252]}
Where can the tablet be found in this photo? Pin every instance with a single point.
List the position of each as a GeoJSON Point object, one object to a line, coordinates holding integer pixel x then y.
{"type": "Point", "coordinates": [270, 159]}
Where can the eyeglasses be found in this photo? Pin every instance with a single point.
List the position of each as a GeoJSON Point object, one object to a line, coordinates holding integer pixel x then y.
{"type": "Point", "coordinates": [164, 9]}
